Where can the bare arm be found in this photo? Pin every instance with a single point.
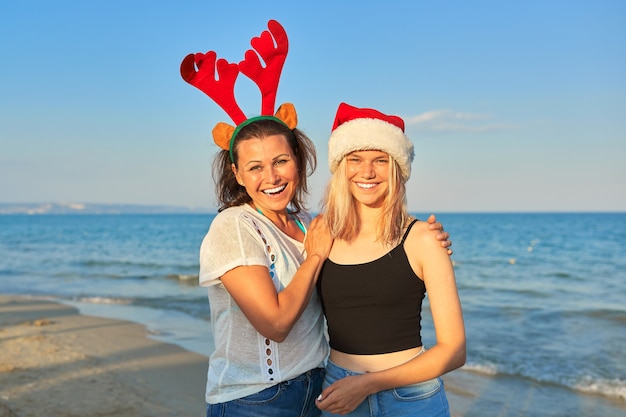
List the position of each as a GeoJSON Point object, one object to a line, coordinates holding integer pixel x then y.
{"type": "Point", "coordinates": [274, 314]}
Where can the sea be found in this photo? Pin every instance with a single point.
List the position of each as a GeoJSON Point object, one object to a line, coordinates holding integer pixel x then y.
{"type": "Point", "coordinates": [543, 294]}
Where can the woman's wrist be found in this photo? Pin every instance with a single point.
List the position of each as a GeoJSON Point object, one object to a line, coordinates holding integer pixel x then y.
{"type": "Point", "coordinates": [315, 257]}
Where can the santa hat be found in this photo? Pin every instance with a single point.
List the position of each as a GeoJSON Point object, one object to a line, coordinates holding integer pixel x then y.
{"type": "Point", "coordinates": [360, 129]}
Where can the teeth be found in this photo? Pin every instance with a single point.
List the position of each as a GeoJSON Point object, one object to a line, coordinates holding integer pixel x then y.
{"type": "Point", "coordinates": [363, 185]}
{"type": "Point", "coordinates": [275, 190]}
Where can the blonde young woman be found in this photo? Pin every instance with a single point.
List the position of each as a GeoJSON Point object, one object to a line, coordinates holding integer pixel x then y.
{"type": "Point", "coordinates": [381, 265]}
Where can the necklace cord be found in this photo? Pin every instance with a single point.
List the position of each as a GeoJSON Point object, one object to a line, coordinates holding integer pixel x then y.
{"type": "Point", "coordinates": [293, 217]}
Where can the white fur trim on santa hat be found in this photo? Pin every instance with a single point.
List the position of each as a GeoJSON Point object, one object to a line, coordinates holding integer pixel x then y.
{"type": "Point", "coordinates": [370, 134]}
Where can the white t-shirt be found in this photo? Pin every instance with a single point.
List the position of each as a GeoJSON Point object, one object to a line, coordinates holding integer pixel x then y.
{"type": "Point", "coordinates": [244, 362]}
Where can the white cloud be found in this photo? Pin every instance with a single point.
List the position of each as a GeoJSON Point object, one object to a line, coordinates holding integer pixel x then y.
{"type": "Point", "coordinates": [451, 121]}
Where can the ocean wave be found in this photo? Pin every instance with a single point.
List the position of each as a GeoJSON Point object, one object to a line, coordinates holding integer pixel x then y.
{"type": "Point", "coordinates": [119, 263]}
{"type": "Point", "coordinates": [103, 300]}
{"type": "Point", "coordinates": [483, 369]}
{"type": "Point", "coordinates": [611, 313]}
{"type": "Point", "coordinates": [617, 315]}
{"type": "Point", "coordinates": [564, 275]}
{"type": "Point", "coordinates": [607, 387]}
{"type": "Point", "coordinates": [183, 277]}
{"type": "Point", "coordinates": [613, 388]}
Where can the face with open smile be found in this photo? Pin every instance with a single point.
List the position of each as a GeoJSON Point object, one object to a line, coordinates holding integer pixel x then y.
{"type": "Point", "coordinates": [268, 170]}
{"type": "Point", "coordinates": [368, 173]}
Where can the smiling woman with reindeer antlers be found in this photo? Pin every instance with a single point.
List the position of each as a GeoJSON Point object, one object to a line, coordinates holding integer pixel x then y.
{"type": "Point", "coordinates": [259, 269]}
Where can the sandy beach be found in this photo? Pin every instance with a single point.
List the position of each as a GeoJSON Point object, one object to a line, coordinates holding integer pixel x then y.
{"type": "Point", "coordinates": [56, 361]}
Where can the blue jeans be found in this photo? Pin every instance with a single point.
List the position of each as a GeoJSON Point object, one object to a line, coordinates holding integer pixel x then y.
{"type": "Point", "coordinates": [292, 398]}
{"type": "Point", "coordinates": [423, 399]}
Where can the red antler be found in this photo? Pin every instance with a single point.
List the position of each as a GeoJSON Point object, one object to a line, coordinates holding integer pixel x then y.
{"type": "Point", "coordinates": [222, 90]}
{"type": "Point", "coordinates": [274, 56]}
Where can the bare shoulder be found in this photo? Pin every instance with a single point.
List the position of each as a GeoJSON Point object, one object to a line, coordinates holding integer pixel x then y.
{"type": "Point", "coordinates": [422, 238]}
{"type": "Point", "coordinates": [420, 230]}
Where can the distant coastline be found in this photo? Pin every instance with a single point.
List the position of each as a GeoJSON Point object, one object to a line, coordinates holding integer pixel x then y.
{"type": "Point", "coordinates": [92, 208]}
{"type": "Point", "coordinates": [58, 208]}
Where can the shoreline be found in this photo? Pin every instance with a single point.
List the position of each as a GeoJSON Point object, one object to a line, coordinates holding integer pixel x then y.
{"type": "Point", "coordinates": [56, 360]}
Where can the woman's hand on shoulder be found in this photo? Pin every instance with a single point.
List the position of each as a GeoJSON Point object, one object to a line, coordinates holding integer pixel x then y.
{"type": "Point", "coordinates": [442, 236]}
{"type": "Point", "coordinates": [318, 240]}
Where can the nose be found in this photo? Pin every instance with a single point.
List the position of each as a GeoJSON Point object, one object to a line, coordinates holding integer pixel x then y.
{"type": "Point", "coordinates": [367, 171]}
{"type": "Point", "coordinates": [272, 176]}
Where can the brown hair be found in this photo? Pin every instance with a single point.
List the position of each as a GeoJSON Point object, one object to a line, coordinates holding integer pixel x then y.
{"type": "Point", "coordinates": [228, 191]}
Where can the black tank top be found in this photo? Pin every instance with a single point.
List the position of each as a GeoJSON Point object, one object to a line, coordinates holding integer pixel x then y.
{"type": "Point", "coordinates": [374, 307]}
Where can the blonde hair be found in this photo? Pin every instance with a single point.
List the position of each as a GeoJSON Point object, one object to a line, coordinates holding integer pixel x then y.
{"type": "Point", "coordinates": [340, 208]}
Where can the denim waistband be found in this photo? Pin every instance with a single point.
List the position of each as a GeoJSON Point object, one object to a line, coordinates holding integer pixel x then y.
{"type": "Point", "coordinates": [308, 374]}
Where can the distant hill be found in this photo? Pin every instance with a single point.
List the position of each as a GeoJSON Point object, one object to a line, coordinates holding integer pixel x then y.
{"type": "Point", "coordinates": [87, 208]}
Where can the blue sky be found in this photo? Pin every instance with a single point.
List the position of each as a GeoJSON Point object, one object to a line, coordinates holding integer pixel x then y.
{"type": "Point", "coordinates": [512, 106]}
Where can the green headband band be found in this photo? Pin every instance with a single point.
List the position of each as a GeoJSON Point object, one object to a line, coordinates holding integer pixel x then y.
{"type": "Point", "coordinates": [246, 123]}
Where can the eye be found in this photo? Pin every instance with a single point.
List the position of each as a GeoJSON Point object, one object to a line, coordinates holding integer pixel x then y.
{"type": "Point", "coordinates": [281, 161]}
{"type": "Point", "coordinates": [382, 161]}
{"type": "Point", "coordinates": [255, 168]}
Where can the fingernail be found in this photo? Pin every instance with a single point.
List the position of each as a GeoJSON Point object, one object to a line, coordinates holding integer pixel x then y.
{"type": "Point", "coordinates": [319, 397]}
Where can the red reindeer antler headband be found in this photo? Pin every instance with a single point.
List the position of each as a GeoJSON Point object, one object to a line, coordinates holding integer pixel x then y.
{"type": "Point", "coordinates": [199, 70]}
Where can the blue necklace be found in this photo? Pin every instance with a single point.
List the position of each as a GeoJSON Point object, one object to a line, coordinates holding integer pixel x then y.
{"type": "Point", "coordinates": [294, 218]}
